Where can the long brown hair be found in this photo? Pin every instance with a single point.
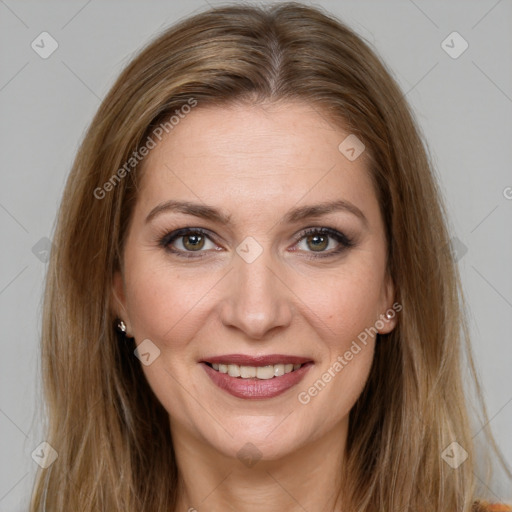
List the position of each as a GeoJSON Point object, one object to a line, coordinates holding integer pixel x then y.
{"type": "Point", "coordinates": [111, 434]}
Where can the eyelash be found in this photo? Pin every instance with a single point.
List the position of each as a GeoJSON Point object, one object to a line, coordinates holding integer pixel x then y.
{"type": "Point", "coordinates": [343, 240]}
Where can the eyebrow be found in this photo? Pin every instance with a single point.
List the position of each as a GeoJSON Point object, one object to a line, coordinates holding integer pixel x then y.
{"type": "Point", "coordinates": [293, 216]}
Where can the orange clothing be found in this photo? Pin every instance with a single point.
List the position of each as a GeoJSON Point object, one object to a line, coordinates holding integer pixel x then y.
{"type": "Point", "coordinates": [484, 506]}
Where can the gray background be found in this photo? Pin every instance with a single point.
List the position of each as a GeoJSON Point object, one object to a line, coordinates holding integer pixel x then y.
{"type": "Point", "coordinates": [463, 105]}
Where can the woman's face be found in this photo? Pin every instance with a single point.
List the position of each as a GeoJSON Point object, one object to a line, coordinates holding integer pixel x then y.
{"type": "Point", "coordinates": [255, 245]}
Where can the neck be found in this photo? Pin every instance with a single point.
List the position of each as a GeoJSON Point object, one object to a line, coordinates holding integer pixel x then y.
{"type": "Point", "coordinates": [307, 479]}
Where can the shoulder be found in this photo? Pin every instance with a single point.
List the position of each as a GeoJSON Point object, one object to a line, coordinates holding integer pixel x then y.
{"type": "Point", "coordinates": [484, 506]}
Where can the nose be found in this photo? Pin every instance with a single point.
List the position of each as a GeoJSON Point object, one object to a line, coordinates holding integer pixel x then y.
{"type": "Point", "coordinates": [257, 298]}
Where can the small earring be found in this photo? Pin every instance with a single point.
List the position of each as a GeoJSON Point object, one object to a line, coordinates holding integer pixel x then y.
{"type": "Point", "coordinates": [121, 326]}
{"type": "Point", "coordinates": [389, 315]}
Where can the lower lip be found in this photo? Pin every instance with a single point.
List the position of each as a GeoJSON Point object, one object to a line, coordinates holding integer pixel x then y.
{"type": "Point", "coordinates": [256, 388]}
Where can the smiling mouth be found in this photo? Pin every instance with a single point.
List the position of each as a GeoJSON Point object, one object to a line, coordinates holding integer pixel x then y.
{"type": "Point", "coordinates": [255, 372]}
{"type": "Point", "coordinates": [256, 377]}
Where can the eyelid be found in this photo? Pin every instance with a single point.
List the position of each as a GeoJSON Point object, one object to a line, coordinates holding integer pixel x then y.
{"type": "Point", "coordinates": [344, 242]}
{"type": "Point", "coordinates": [323, 230]}
{"type": "Point", "coordinates": [341, 238]}
{"type": "Point", "coordinates": [171, 236]}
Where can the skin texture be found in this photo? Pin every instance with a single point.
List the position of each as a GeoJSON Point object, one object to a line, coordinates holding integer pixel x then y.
{"type": "Point", "coordinates": [255, 163]}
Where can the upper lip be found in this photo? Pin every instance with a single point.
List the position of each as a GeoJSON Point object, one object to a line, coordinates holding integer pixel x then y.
{"type": "Point", "coordinates": [245, 360]}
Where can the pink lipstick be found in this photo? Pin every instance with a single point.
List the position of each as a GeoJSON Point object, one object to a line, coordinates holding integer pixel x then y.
{"type": "Point", "coordinates": [256, 377]}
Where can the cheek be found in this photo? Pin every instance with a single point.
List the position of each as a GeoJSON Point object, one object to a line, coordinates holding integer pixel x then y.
{"type": "Point", "coordinates": [161, 304]}
{"type": "Point", "coordinates": [345, 308]}
{"type": "Point", "coordinates": [348, 340]}
{"type": "Point", "coordinates": [345, 302]}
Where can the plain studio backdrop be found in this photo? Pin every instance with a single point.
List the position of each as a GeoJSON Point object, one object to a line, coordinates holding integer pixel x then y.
{"type": "Point", "coordinates": [452, 60]}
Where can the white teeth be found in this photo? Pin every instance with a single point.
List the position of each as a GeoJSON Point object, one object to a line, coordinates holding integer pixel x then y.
{"type": "Point", "coordinates": [247, 372]}
{"type": "Point", "coordinates": [233, 370]}
{"type": "Point", "coordinates": [259, 372]}
{"type": "Point", "coordinates": [265, 372]}
{"type": "Point", "coordinates": [278, 370]}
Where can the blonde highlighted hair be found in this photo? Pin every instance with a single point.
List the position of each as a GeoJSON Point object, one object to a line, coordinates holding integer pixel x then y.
{"type": "Point", "coordinates": [112, 435]}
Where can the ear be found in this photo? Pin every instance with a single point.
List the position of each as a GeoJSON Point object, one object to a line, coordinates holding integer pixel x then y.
{"type": "Point", "coordinates": [389, 307]}
{"type": "Point", "coordinates": [118, 300]}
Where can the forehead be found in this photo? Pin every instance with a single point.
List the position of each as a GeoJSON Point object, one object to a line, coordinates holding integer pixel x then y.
{"type": "Point", "coordinates": [247, 157]}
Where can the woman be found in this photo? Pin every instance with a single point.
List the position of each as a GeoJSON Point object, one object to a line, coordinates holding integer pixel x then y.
{"type": "Point", "coordinates": [252, 304]}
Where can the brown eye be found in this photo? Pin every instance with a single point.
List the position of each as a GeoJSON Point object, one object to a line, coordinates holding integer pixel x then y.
{"type": "Point", "coordinates": [317, 242]}
{"type": "Point", "coordinates": [323, 241]}
{"type": "Point", "coordinates": [185, 242]}
{"type": "Point", "coordinates": [193, 242]}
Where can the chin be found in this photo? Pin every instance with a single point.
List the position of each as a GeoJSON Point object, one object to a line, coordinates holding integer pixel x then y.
{"type": "Point", "coordinates": [265, 438]}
